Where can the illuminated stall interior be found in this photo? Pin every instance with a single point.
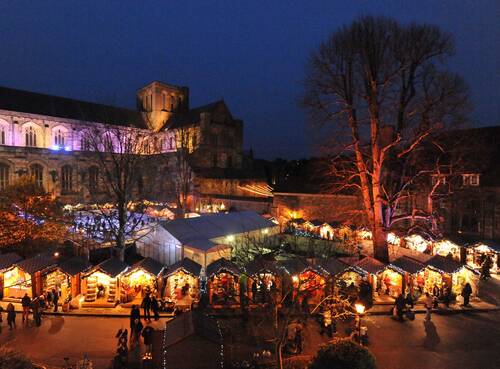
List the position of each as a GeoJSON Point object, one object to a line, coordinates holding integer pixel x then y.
{"type": "Point", "coordinates": [477, 254]}
{"type": "Point", "coordinates": [141, 279]}
{"type": "Point", "coordinates": [102, 283]}
{"type": "Point", "coordinates": [182, 282]}
{"type": "Point", "coordinates": [441, 271]}
{"type": "Point", "coordinates": [26, 276]}
{"type": "Point", "coordinates": [409, 271]}
{"type": "Point", "coordinates": [264, 278]}
{"type": "Point", "coordinates": [447, 248]}
{"type": "Point", "coordinates": [7, 261]}
{"type": "Point", "coordinates": [223, 282]}
{"type": "Point", "coordinates": [391, 282]}
{"type": "Point", "coordinates": [393, 239]}
{"type": "Point", "coordinates": [326, 231]}
{"type": "Point", "coordinates": [308, 281]}
{"type": "Point", "coordinates": [65, 278]}
{"type": "Point", "coordinates": [417, 242]}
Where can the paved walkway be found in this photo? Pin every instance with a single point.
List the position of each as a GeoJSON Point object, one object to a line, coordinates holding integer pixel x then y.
{"type": "Point", "coordinates": [117, 311]}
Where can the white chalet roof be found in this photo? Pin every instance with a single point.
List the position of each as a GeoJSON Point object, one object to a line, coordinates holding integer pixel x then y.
{"type": "Point", "coordinates": [199, 232]}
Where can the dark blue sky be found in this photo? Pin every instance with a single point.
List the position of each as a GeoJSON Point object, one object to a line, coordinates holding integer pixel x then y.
{"type": "Point", "coordinates": [251, 53]}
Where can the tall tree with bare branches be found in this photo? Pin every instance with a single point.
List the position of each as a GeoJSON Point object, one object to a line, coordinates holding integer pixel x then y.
{"type": "Point", "coordinates": [380, 90]}
{"type": "Point", "coordinates": [122, 156]}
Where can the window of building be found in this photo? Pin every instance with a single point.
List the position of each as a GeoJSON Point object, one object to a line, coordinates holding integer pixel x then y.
{"type": "Point", "coordinates": [36, 172]}
{"type": "Point", "coordinates": [93, 178]}
{"type": "Point", "coordinates": [214, 160]}
{"type": "Point", "coordinates": [30, 137]}
{"type": "Point", "coordinates": [470, 179]}
{"type": "Point", "coordinates": [84, 144]}
{"type": "Point", "coordinates": [59, 138]}
{"type": "Point", "coordinates": [172, 103]}
{"type": "Point", "coordinates": [172, 146]}
{"type": "Point", "coordinates": [2, 136]}
{"type": "Point", "coordinates": [164, 101]}
{"type": "Point", "coordinates": [436, 177]}
{"type": "Point", "coordinates": [66, 178]}
{"type": "Point", "coordinates": [4, 176]}
{"type": "Point", "coordinates": [229, 163]}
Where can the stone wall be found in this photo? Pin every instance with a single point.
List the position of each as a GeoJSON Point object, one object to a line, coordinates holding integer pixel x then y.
{"type": "Point", "coordinates": [328, 208]}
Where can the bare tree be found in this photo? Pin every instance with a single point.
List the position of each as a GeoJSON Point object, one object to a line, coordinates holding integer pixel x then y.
{"type": "Point", "coordinates": [380, 89]}
{"type": "Point", "coordinates": [122, 156]}
{"type": "Point", "coordinates": [182, 175]}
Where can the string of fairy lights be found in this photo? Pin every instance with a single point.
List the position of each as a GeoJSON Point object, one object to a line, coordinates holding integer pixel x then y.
{"type": "Point", "coordinates": [221, 352]}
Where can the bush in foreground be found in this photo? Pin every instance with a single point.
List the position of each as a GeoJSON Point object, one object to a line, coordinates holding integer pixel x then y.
{"type": "Point", "coordinates": [11, 359]}
{"type": "Point", "coordinates": [343, 353]}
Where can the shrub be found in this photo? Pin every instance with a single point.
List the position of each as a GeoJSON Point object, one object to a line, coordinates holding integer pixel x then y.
{"type": "Point", "coordinates": [343, 353]}
{"type": "Point", "coordinates": [11, 359]}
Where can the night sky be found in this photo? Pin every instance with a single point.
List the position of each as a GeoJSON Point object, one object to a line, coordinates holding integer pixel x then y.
{"type": "Point", "coordinates": [251, 53]}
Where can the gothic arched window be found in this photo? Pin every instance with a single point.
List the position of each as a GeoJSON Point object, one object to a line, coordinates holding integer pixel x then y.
{"type": "Point", "coordinates": [66, 178]}
{"type": "Point", "coordinates": [59, 138]}
{"type": "Point", "coordinates": [4, 176]}
{"type": "Point", "coordinates": [36, 172]}
{"type": "Point", "coordinates": [30, 137]}
{"type": "Point", "coordinates": [93, 178]}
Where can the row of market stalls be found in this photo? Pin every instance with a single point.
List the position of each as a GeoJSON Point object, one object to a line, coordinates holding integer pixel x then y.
{"type": "Point", "coordinates": [112, 281]}
{"type": "Point", "coordinates": [471, 253]}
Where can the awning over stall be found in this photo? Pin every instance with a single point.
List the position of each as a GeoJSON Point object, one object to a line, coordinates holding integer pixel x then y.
{"type": "Point", "coordinates": [113, 267]}
{"type": "Point", "coordinates": [407, 265]}
{"type": "Point", "coordinates": [370, 265]}
{"type": "Point", "coordinates": [148, 265]}
{"type": "Point", "coordinates": [8, 260]}
{"type": "Point", "coordinates": [187, 265]}
{"type": "Point", "coordinates": [222, 265]}
{"type": "Point", "coordinates": [74, 265]}
{"type": "Point", "coordinates": [37, 263]}
{"type": "Point", "coordinates": [444, 265]}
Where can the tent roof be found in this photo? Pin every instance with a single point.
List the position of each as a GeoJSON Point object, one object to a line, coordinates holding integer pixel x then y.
{"type": "Point", "coordinates": [444, 264]}
{"type": "Point", "coordinates": [257, 266]}
{"type": "Point", "coordinates": [149, 265]}
{"type": "Point", "coordinates": [187, 264]}
{"type": "Point", "coordinates": [9, 259]}
{"type": "Point", "coordinates": [37, 263]}
{"type": "Point", "coordinates": [334, 266]}
{"type": "Point", "coordinates": [222, 264]}
{"type": "Point", "coordinates": [112, 267]}
{"type": "Point", "coordinates": [198, 232]}
{"type": "Point", "coordinates": [407, 264]}
{"type": "Point", "coordinates": [370, 265]}
{"type": "Point", "coordinates": [74, 265]}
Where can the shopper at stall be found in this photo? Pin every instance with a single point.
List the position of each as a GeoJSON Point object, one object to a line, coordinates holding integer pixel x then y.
{"type": "Point", "coordinates": [146, 306]}
{"type": "Point", "coordinates": [55, 297]}
{"type": "Point", "coordinates": [26, 303]}
{"type": "Point", "coordinates": [447, 296]}
{"type": "Point", "coordinates": [400, 306]}
{"type": "Point", "coordinates": [11, 316]}
{"type": "Point", "coordinates": [37, 315]}
{"type": "Point", "coordinates": [155, 306]}
{"type": "Point", "coordinates": [135, 313]}
{"type": "Point", "coordinates": [466, 292]}
{"type": "Point", "coordinates": [485, 268]}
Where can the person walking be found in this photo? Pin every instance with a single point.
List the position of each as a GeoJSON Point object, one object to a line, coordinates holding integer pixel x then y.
{"type": "Point", "coordinates": [400, 306]}
{"type": "Point", "coordinates": [147, 335]}
{"type": "Point", "coordinates": [26, 303]}
{"type": "Point", "coordinates": [11, 316]}
{"type": "Point", "coordinates": [428, 303]}
{"type": "Point", "coordinates": [136, 332]}
{"type": "Point", "coordinates": [55, 298]}
{"type": "Point", "coordinates": [35, 305]}
{"type": "Point", "coordinates": [135, 313]}
{"type": "Point", "coordinates": [146, 306]}
{"type": "Point", "coordinates": [155, 306]}
{"type": "Point", "coordinates": [466, 292]}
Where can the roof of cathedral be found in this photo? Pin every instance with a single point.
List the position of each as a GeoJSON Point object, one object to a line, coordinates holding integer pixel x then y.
{"type": "Point", "coordinates": [192, 116]}
{"type": "Point", "coordinates": [62, 107]}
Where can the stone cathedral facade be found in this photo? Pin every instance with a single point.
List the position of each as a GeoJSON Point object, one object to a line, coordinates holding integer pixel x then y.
{"type": "Point", "coordinates": [41, 135]}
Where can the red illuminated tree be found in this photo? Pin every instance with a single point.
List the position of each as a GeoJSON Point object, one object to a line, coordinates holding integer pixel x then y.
{"type": "Point", "coordinates": [379, 90]}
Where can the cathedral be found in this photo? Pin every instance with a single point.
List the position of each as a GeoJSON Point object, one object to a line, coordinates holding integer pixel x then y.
{"type": "Point", "coordinates": [42, 136]}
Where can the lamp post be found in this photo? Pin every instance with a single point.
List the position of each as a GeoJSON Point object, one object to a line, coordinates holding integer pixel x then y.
{"type": "Point", "coordinates": [360, 309]}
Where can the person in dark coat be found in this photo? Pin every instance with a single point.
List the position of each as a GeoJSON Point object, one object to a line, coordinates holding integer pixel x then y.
{"type": "Point", "coordinates": [400, 306]}
{"type": "Point", "coordinates": [135, 313]}
{"type": "Point", "coordinates": [26, 303]}
{"type": "Point", "coordinates": [37, 315]}
{"type": "Point", "coordinates": [155, 306]}
{"type": "Point", "coordinates": [466, 292]}
{"type": "Point", "coordinates": [11, 316]}
{"type": "Point", "coordinates": [136, 332]}
{"type": "Point", "coordinates": [146, 306]}
{"type": "Point", "coordinates": [55, 297]}
{"type": "Point", "coordinates": [147, 335]}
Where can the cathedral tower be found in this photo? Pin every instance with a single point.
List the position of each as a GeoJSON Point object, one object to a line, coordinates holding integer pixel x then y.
{"type": "Point", "coordinates": [160, 101]}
